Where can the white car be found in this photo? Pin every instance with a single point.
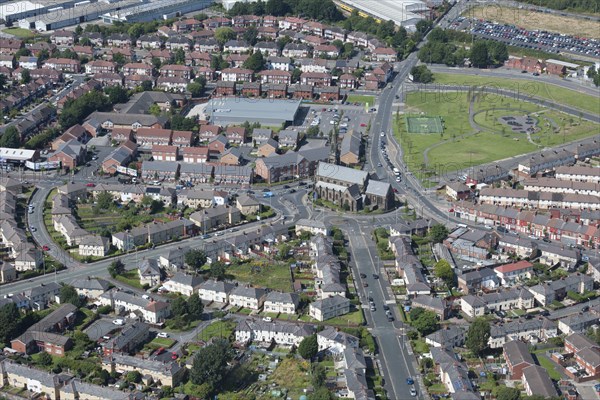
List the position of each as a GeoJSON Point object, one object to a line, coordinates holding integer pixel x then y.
{"type": "Point", "coordinates": [382, 134]}
{"type": "Point", "coordinates": [267, 319]}
{"type": "Point", "coordinates": [343, 125]}
{"type": "Point", "coordinates": [119, 322]}
{"type": "Point", "coordinates": [163, 335]}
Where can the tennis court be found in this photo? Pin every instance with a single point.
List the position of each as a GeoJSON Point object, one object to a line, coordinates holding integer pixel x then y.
{"type": "Point", "coordinates": [424, 125]}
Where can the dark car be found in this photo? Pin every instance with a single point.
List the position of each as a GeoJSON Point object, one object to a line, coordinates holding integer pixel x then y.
{"type": "Point", "coordinates": [586, 308]}
{"type": "Point", "coordinates": [370, 298]}
{"type": "Point", "coordinates": [301, 183]}
{"type": "Point", "coordinates": [386, 307]}
{"type": "Point", "coordinates": [410, 381]}
{"type": "Point", "coordinates": [365, 284]}
{"type": "Point", "coordinates": [292, 190]}
{"type": "Point", "coordinates": [363, 275]}
{"type": "Point", "coordinates": [375, 276]}
{"type": "Point", "coordinates": [286, 186]}
{"type": "Point", "coordinates": [266, 190]}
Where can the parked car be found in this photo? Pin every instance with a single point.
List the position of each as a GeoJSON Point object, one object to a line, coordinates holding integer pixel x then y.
{"type": "Point", "coordinates": [162, 335]}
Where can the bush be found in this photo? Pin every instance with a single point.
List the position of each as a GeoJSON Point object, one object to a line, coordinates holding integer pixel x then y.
{"type": "Point", "coordinates": [104, 310]}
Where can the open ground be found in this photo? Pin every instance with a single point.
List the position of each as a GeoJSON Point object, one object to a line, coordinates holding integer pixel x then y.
{"type": "Point", "coordinates": [542, 90]}
{"type": "Point", "coordinates": [533, 20]}
{"type": "Point", "coordinates": [483, 139]}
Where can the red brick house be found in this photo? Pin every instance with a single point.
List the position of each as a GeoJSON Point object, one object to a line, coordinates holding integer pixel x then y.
{"type": "Point", "coordinates": [315, 78]}
{"type": "Point", "coordinates": [276, 91]}
{"type": "Point", "coordinates": [236, 134]}
{"type": "Point", "coordinates": [165, 153]}
{"type": "Point", "coordinates": [331, 93]}
{"type": "Point", "coordinates": [304, 92]}
{"type": "Point", "coordinates": [176, 71]}
{"type": "Point", "coordinates": [207, 132]}
{"type": "Point", "coordinates": [275, 76]}
{"type": "Point", "coordinates": [517, 357]}
{"type": "Point", "coordinates": [218, 144]}
{"type": "Point", "coordinates": [251, 89]}
{"type": "Point", "coordinates": [225, 88]}
{"type": "Point", "coordinates": [148, 137]}
{"type": "Point", "coordinates": [100, 66]}
{"type": "Point", "coordinates": [347, 81]}
{"type": "Point", "coordinates": [195, 154]}
{"type": "Point", "coordinates": [182, 138]}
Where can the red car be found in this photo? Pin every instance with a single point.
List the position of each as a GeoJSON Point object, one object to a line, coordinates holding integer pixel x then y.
{"type": "Point", "coordinates": [90, 184]}
{"type": "Point", "coordinates": [363, 125]}
{"type": "Point", "coordinates": [395, 190]}
{"type": "Point", "coordinates": [45, 248]}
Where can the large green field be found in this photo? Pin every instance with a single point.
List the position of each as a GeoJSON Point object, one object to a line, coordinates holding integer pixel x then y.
{"type": "Point", "coordinates": [19, 32]}
{"type": "Point", "coordinates": [272, 274]}
{"type": "Point", "coordinates": [460, 146]}
{"type": "Point", "coordinates": [542, 90]}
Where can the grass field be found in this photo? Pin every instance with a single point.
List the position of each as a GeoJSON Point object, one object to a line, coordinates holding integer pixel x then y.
{"type": "Point", "coordinates": [222, 329]}
{"type": "Point", "coordinates": [130, 278]}
{"type": "Point", "coordinates": [357, 98]}
{"type": "Point", "coordinates": [424, 124]}
{"type": "Point", "coordinates": [538, 89]}
{"type": "Point", "coordinates": [161, 342]}
{"type": "Point", "coordinates": [459, 147]}
{"type": "Point", "coordinates": [533, 20]}
{"type": "Point", "coordinates": [275, 276]}
{"type": "Point", "coordinates": [19, 32]}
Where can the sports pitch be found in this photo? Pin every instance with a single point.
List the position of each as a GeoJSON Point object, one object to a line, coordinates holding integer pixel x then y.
{"type": "Point", "coordinates": [424, 125]}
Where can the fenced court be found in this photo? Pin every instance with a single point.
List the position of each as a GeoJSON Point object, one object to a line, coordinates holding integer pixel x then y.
{"type": "Point", "coordinates": [424, 125]}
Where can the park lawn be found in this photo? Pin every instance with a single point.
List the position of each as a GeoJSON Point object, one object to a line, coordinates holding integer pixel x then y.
{"type": "Point", "coordinates": [358, 98]}
{"type": "Point", "coordinates": [19, 32]}
{"type": "Point", "coordinates": [130, 278]}
{"type": "Point", "coordinates": [542, 90]}
{"type": "Point", "coordinates": [223, 329]}
{"type": "Point", "coordinates": [419, 346]}
{"type": "Point", "coordinates": [273, 275]}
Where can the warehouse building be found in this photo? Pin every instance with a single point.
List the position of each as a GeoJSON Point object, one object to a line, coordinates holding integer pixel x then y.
{"type": "Point", "coordinates": [234, 111]}
{"type": "Point", "coordinates": [405, 13]}
{"type": "Point", "coordinates": [161, 9]}
{"type": "Point", "coordinates": [73, 13]}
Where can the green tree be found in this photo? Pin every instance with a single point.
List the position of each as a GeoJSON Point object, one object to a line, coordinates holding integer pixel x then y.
{"type": "Point", "coordinates": [68, 294]}
{"type": "Point", "coordinates": [296, 73]}
{"type": "Point", "coordinates": [224, 34]}
{"type": "Point", "coordinates": [133, 377]}
{"type": "Point", "coordinates": [156, 206]}
{"type": "Point", "coordinates": [146, 86]}
{"type": "Point", "coordinates": [180, 56]}
{"type": "Point", "coordinates": [195, 307]}
{"type": "Point", "coordinates": [10, 138]}
{"type": "Point", "coordinates": [479, 54]}
{"type": "Point", "coordinates": [478, 336]}
{"type": "Point", "coordinates": [104, 201]}
{"type": "Point", "coordinates": [210, 363]}
{"type": "Point", "coordinates": [498, 52]}
{"type": "Point", "coordinates": [421, 74]}
{"type": "Point", "coordinates": [116, 268]}
{"type": "Point", "coordinates": [179, 307]}
{"type": "Point", "coordinates": [251, 35]}
{"type": "Point", "coordinates": [256, 62]}
{"type": "Point", "coordinates": [9, 321]}
{"type": "Point", "coordinates": [3, 81]}
{"type": "Point", "coordinates": [196, 89]}
{"type": "Point", "coordinates": [119, 59]}
{"type": "Point", "coordinates": [426, 322]}
{"type": "Point", "coordinates": [277, 8]}
{"type": "Point", "coordinates": [438, 233]}
{"type": "Point", "coordinates": [322, 393]}
{"type": "Point", "coordinates": [217, 270]}
{"type": "Point", "coordinates": [508, 393]}
{"type": "Point", "coordinates": [443, 270]}
{"type": "Point", "coordinates": [195, 258]}
{"type": "Point", "coordinates": [308, 347]}
{"type": "Point", "coordinates": [44, 359]}
{"type": "Point", "coordinates": [318, 375]}
{"type": "Point", "coordinates": [117, 94]}
{"type": "Point", "coordinates": [25, 76]}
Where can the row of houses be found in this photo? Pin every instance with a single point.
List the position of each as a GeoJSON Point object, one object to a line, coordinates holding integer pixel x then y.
{"type": "Point", "coordinates": [331, 292]}
{"type": "Point", "coordinates": [194, 173]}
{"type": "Point", "coordinates": [568, 228]}
{"type": "Point", "coordinates": [22, 254]}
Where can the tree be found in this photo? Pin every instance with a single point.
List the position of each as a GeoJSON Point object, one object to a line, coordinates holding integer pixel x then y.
{"type": "Point", "coordinates": [25, 76]}
{"type": "Point", "coordinates": [426, 322]}
{"type": "Point", "coordinates": [156, 206]}
{"type": "Point", "coordinates": [104, 201]}
{"type": "Point", "coordinates": [44, 359]}
{"type": "Point", "coordinates": [146, 86]}
{"type": "Point", "coordinates": [179, 307]}
{"type": "Point", "coordinates": [508, 393]}
{"type": "Point", "coordinates": [321, 393]}
{"type": "Point", "coordinates": [498, 52]}
{"type": "Point", "coordinates": [195, 258]}
{"type": "Point", "coordinates": [478, 335]}
{"type": "Point", "coordinates": [438, 233]}
{"type": "Point", "coordinates": [224, 34]}
{"type": "Point", "coordinates": [318, 375]}
{"type": "Point", "coordinates": [116, 268]}
{"type": "Point", "coordinates": [210, 363]}
{"type": "Point", "coordinates": [217, 270]}
{"type": "Point", "coordinates": [255, 62]}
{"type": "Point", "coordinates": [195, 307]}
{"type": "Point", "coordinates": [117, 94]}
{"type": "Point", "coordinates": [10, 138]}
{"type": "Point", "coordinates": [308, 347]}
{"type": "Point", "coordinates": [421, 74]}
{"type": "Point", "coordinates": [3, 82]}
{"type": "Point", "coordinates": [119, 59]}
{"type": "Point", "coordinates": [443, 270]}
{"type": "Point", "coordinates": [277, 8]}
{"type": "Point", "coordinates": [180, 56]}
{"type": "Point", "coordinates": [9, 321]}
{"type": "Point", "coordinates": [68, 294]}
{"type": "Point", "coordinates": [296, 73]}
{"type": "Point", "coordinates": [133, 377]}
{"type": "Point", "coordinates": [251, 35]}
{"type": "Point", "coordinates": [195, 88]}
{"type": "Point", "coordinates": [479, 54]}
